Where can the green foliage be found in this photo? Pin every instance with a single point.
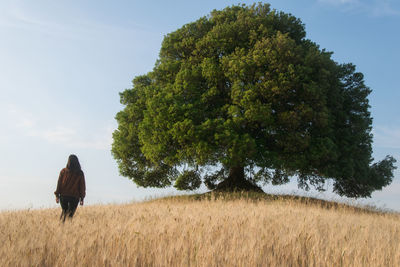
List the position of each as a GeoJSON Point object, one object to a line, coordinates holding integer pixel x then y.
{"type": "Point", "coordinates": [188, 180]}
{"type": "Point", "coordinates": [242, 87]}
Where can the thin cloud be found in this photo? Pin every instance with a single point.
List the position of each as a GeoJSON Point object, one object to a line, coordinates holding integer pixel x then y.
{"type": "Point", "coordinates": [339, 2]}
{"type": "Point", "coordinates": [72, 26]}
{"type": "Point", "coordinates": [375, 8]}
{"type": "Point", "coordinates": [14, 16]}
{"type": "Point", "coordinates": [387, 137]}
{"type": "Point", "coordinates": [60, 134]}
{"type": "Point", "coordinates": [384, 8]}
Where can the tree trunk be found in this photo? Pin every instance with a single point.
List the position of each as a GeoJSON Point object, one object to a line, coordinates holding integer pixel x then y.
{"type": "Point", "coordinates": [236, 174]}
{"type": "Point", "coordinates": [236, 181]}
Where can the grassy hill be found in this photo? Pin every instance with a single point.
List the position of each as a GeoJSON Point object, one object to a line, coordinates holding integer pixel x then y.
{"type": "Point", "coordinates": [204, 230]}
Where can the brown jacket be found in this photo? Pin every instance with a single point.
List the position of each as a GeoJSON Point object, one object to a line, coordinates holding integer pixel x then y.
{"type": "Point", "coordinates": [71, 184]}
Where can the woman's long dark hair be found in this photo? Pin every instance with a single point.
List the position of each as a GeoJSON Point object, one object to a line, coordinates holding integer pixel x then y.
{"type": "Point", "coordinates": [73, 163]}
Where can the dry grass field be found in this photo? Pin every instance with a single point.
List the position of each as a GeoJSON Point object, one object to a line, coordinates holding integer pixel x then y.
{"type": "Point", "coordinates": [184, 231]}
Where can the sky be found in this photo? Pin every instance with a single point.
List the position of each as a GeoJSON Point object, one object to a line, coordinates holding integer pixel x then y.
{"type": "Point", "coordinates": [63, 64]}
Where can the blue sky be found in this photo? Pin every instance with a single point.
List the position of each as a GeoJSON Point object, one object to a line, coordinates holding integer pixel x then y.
{"type": "Point", "coordinates": [63, 63]}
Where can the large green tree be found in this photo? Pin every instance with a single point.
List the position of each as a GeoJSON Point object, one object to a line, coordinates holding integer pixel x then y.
{"type": "Point", "coordinates": [241, 97]}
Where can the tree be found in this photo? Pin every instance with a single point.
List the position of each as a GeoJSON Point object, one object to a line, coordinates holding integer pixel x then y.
{"type": "Point", "coordinates": [241, 97]}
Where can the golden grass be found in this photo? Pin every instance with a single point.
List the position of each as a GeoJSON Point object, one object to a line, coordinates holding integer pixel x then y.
{"type": "Point", "coordinates": [205, 232]}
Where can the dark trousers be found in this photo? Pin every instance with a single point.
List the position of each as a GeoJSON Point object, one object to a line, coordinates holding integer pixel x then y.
{"type": "Point", "coordinates": [68, 205]}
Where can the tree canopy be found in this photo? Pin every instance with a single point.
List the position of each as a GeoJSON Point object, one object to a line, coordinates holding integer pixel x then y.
{"type": "Point", "coordinates": [241, 97]}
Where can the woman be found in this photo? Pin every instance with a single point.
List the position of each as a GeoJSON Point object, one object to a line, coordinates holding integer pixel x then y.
{"type": "Point", "coordinates": [71, 187]}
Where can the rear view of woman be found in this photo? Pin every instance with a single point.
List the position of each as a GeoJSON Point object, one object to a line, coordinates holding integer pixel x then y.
{"type": "Point", "coordinates": [71, 188]}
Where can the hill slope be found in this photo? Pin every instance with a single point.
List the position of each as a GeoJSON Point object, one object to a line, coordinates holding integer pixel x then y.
{"type": "Point", "coordinates": [208, 232]}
